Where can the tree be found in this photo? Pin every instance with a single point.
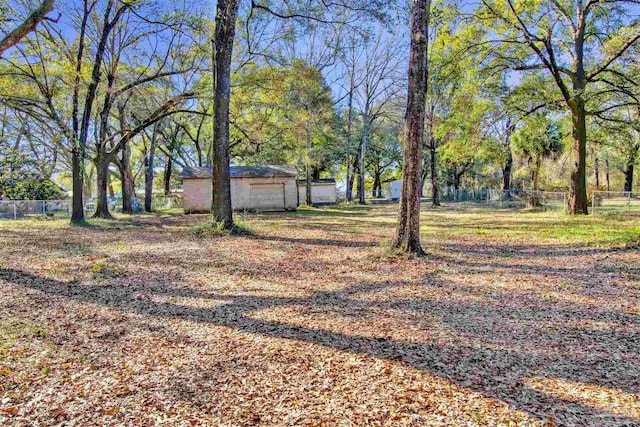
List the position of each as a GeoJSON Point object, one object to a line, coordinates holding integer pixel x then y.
{"type": "Point", "coordinates": [454, 76]}
{"type": "Point", "coordinates": [308, 92]}
{"type": "Point", "coordinates": [350, 56]}
{"type": "Point", "coordinates": [377, 90]}
{"type": "Point", "coordinates": [506, 126]}
{"type": "Point", "coordinates": [148, 168]}
{"type": "Point", "coordinates": [224, 35]}
{"type": "Point", "coordinates": [578, 43]}
{"type": "Point", "coordinates": [138, 91]}
{"type": "Point", "coordinates": [27, 26]}
{"type": "Point", "coordinates": [407, 236]}
{"type": "Point", "coordinates": [384, 154]}
{"type": "Point", "coordinates": [536, 139]}
{"type": "Point", "coordinates": [465, 120]}
{"type": "Point", "coordinates": [617, 120]}
{"type": "Point", "coordinates": [620, 130]}
{"type": "Point", "coordinates": [105, 85]}
{"type": "Point", "coordinates": [20, 177]}
{"type": "Point", "coordinates": [37, 73]}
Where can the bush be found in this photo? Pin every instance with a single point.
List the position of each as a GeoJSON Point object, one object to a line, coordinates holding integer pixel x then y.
{"type": "Point", "coordinates": [33, 190]}
{"type": "Point", "coordinates": [20, 180]}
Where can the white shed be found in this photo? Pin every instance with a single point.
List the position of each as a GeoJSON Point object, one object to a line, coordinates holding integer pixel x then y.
{"type": "Point", "coordinates": [323, 191]}
{"type": "Point", "coordinates": [395, 189]}
{"type": "Point", "coordinates": [258, 188]}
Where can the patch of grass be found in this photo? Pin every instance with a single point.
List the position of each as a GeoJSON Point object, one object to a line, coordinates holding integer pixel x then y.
{"type": "Point", "coordinates": [211, 228]}
{"type": "Point", "coordinates": [101, 270]}
{"type": "Point", "coordinates": [601, 233]}
{"type": "Point", "coordinates": [333, 210]}
{"type": "Point", "coordinates": [617, 216]}
{"type": "Point", "coordinates": [385, 252]}
{"type": "Point", "coordinates": [166, 211]}
{"type": "Point", "coordinates": [535, 227]}
{"type": "Point", "coordinates": [73, 249]}
{"type": "Point", "coordinates": [13, 330]}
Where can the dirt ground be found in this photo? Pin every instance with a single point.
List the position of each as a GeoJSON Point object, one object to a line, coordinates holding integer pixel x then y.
{"type": "Point", "coordinates": [513, 318]}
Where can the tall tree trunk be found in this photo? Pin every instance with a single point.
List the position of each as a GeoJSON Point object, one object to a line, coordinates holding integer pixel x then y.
{"type": "Point", "coordinates": [435, 188]}
{"type": "Point", "coordinates": [363, 153]}
{"type": "Point", "coordinates": [506, 171]}
{"type": "Point", "coordinates": [596, 170]}
{"type": "Point", "coordinates": [377, 185]}
{"type": "Point", "coordinates": [89, 180]}
{"type": "Point", "coordinates": [457, 176]}
{"type": "Point", "coordinates": [126, 177]}
{"type": "Point", "coordinates": [308, 199]}
{"type": "Point", "coordinates": [356, 171]}
{"type": "Point", "coordinates": [578, 189]}
{"type": "Point", "coordinates": [103, 159]}
{"type": "Point", "coordinates": [408, 232]}
{"type": "Point", "coordinates": [606, 175]}
{"type": "Point", "coordinates": [102, 172]}
{"type": "Point", "coordinates": [349, 179]}
{"type": "Point", "coordinates": [426, 161]}
{"type": "Point", "coordinates": [536, 172]}
{"type": "Point", "coordinates": [79, 145]}
{"type": "Point", "coordinates": [168, 169]}
{"type": "Point", "coordinates": [507, 167]}
{"type": "Point", "coordinates": [112, 192]}
{"type": "Point", "coordinates": [350, 183]}
{"type": "Point", "coordinates": [148, 176]}
{"type": "Point", "coordinates": [628, 174]}
{"type": "Point", "coordinates": [359, 184]}
{"type": "Point", "coordinates": [77, 173]}
{"type": "Point", "coordinates": [224, 34]}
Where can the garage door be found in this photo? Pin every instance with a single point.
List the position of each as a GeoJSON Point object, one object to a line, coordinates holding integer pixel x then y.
{"type": "Point", "coordinates": [267, 196]}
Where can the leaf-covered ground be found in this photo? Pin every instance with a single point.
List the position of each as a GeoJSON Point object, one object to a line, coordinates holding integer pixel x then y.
{"type": "Point", "coordinates": [513, 319]}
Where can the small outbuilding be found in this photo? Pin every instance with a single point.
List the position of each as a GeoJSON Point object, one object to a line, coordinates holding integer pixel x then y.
{"type": "Point", "coordinates": [257, 188]}
{"type": "Point", "coordinates": [395, 189]}
{"type": "Point", "coordinates": [323, 191]}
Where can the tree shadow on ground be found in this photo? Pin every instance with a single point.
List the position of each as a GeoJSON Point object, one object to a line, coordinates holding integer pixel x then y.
{"type": "Point", "coordinates": [499, 347]}
{"type": "Point", "coordinates": [532, 251]}
{"type": "Point", "coordinates": [316, 241]}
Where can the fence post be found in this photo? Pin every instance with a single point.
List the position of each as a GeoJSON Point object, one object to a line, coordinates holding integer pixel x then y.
{"type": "Point", "coordinates": [15, 211]}
{"type": "Point", "coordinates": [629, 201]}
{"type": "Point", "coordinates": [44, 209]}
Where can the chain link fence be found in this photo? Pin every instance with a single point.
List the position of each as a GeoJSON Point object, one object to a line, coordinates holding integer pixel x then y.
{"type": "Point", "coordinates": [521, 199]}
{"type": "Point", "coordinates": [615, 202]}
{"type": "Point", "coordinates": [515, 199]}
{"type": "Point", "coordinates": [26, 209]}
{"type": "Point", "coordinates": [602, 202]}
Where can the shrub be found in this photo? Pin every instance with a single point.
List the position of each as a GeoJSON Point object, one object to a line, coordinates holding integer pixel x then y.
{"type": "Point", "coordinates": [34, 190]}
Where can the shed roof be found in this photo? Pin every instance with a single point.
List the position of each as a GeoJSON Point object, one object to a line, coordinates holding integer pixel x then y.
{"type": "Point", "coordinates": [318, 181]}
{"type": "Point", "coordinates": [262, 171]}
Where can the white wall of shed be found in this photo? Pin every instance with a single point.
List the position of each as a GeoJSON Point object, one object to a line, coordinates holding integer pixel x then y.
{"type": "Point", "coordinates": [320, 193]}
{"type": "Point", "coordinates": [197, 193]}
